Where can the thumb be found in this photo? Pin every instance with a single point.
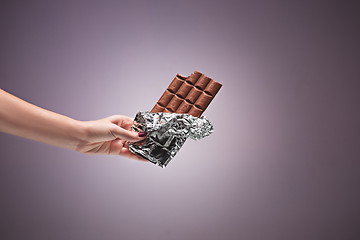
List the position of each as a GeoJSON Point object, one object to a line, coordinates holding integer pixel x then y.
{"type": "Point", "coordinates": [130, 136]}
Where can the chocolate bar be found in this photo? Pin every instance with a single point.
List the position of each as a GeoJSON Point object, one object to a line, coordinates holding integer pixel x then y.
{"type": "Point", "coordinates": [191, 95]}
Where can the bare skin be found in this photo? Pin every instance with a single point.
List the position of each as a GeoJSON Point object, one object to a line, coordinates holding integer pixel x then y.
{"type": "Point", "coordinates": [105, 136]}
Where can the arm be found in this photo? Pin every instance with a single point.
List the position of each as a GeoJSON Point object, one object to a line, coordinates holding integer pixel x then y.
{"type": "Point", "coordinates": [104, 136]}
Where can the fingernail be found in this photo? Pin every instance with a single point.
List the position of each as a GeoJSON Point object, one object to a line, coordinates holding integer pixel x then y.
{"type": "Point", "coordinates": [142, 134]}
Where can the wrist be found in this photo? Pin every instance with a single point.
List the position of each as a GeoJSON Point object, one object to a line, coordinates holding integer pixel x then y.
{"type": "Point", "coordinates": [80, 134]}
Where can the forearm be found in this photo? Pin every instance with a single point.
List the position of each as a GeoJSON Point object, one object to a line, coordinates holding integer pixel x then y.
{"type": "Point", "coordinates": [23, 119]}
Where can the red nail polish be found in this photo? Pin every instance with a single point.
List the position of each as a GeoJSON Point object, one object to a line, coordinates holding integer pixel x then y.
{"type": "Point", "coordinates": [142, 134]}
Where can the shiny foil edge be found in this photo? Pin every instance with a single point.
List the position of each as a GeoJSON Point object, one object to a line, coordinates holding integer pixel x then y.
{"type": "Point", "coordinates": [174, 128]}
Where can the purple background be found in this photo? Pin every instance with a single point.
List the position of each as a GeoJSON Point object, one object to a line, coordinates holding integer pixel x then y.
{"type": "Point", "coordinates": [283, 162]}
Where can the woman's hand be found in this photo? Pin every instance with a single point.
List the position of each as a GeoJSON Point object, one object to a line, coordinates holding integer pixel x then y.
{"type": "Point", "coordinates": [105, 136]}
{"type": "Point", "coordinates": [110, 136]}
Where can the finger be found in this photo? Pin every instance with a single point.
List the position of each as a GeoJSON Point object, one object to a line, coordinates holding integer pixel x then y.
{"type": "Point", "coordinates": [118, 147]}
{"type": "Point", "coordinates": [122, 121]}
{"type": "Point", "coordinates": [118, 119]}
{"type": "Point", "coordinates": [127, 135]}
{"type": "Point", "coordinates": [127, 124]}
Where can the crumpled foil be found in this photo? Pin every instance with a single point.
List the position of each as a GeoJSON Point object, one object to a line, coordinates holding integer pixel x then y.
{"type": "Point", "coordinates": [167, 132]}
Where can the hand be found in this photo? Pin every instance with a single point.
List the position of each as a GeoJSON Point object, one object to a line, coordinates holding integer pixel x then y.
{"type": "Point", "coordinates": [110, 136]}
{"type": "Point", "coordinates": [105, 136]}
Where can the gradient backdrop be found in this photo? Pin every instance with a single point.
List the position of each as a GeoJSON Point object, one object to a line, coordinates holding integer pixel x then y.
{"type": "Point", "coordinates": [283, 162]}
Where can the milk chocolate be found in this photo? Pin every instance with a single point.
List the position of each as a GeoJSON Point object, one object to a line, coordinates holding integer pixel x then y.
{"type": "Point", "coordinates": [191, 95]}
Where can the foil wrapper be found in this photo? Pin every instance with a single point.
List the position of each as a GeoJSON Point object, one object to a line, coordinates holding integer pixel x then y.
{"type": "Point", "coordinates": [167, 132]}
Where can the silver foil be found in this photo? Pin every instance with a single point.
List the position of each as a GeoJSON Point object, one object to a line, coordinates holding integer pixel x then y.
{"type": "Point", "coordinates": [167, 132]}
